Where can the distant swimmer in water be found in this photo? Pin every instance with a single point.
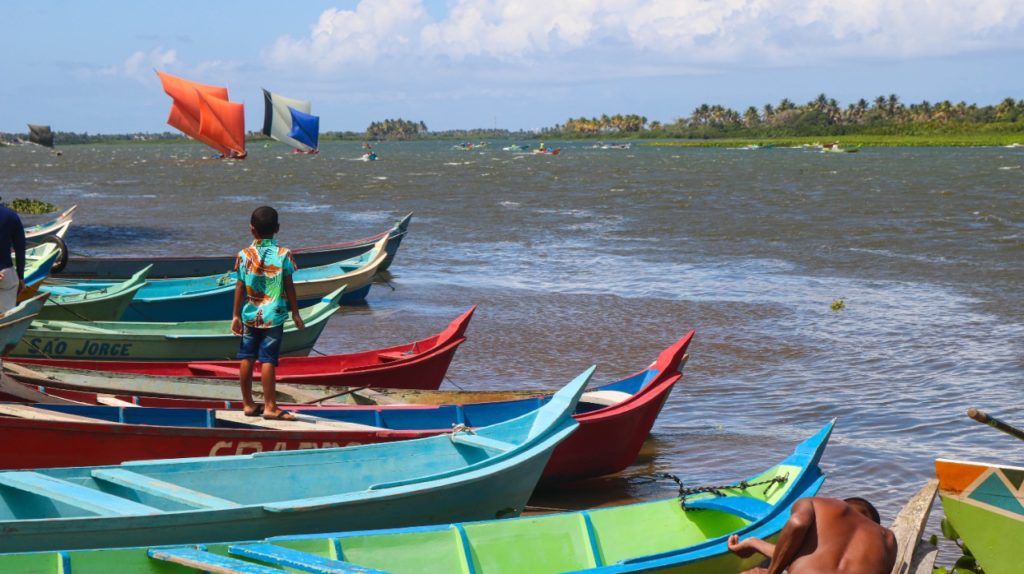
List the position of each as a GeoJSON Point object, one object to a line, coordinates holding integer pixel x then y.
{"type": "Point", "coordinates": [543, 147]}
{"type": "Point", "coordinates": [825, 535]}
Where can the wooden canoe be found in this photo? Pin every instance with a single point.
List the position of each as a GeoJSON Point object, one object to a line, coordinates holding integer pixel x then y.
{"type": "Point", "coordinates": [420, 364]}
{"type": "Point", "coordinates": [15, 322]}
{"type": "Point", "coordinates": [189, 341]}
{"type": "Point", "coordinates": [200, 266]}
{"type": "Point", "coordinates": [57, 226]}
{"type": "Point", "coordinates": [656, 536]}
{"type": "Point", "coordinates": [985, 505]}
{"type": "Point", "coordinates": [615, 419]}
{"type": "Point", "coordinates": [210, 298]}
{"type": "Point", "coordinates": [105, 304]}
{"type": "Point", "coordinates": [461, 475]}
{"type": "Point", "coordinates": [37, 269]}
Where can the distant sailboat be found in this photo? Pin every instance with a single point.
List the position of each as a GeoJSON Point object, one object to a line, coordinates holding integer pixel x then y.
{"type": "Point", "coordinates": [40, 135]}
{"type": "Point", "coordinates": [204, 113]}
{"type": "Point", "coordinates": [288, 120]}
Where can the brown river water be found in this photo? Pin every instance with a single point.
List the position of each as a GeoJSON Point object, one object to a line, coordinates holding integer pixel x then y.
{"type": "Point", "coordinates": [608, 256]}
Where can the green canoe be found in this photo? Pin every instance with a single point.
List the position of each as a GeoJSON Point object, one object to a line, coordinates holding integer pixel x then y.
{"type": "Point", "coordinates": [106, 304]}
{"type": "Point", "coordinates": [985, 505]}
{"type": "Point", "coordinates": [192, 341]}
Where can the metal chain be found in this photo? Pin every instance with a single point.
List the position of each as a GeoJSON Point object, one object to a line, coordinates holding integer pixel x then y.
{"type": "Point", "coordinates": [685, 491]}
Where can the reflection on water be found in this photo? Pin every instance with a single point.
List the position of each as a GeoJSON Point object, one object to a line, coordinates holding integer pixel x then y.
{"type": "Point", "coordinates": [601, 257]}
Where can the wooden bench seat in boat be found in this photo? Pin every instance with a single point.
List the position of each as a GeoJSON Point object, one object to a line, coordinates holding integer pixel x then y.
{"type": "Point", "coordinates": [74, 494]}
{"type": "Point", "coordinates": [304, 422]}
{"type": "Point", "coordinates": [747, 508]}
{"type": "Point", "coordinates": [161, 489]}
{"type": "Point", "coordinates": [604, 398]}
{"type": "Point", "coordinates": [483, 442]}
{"type": "Point", "coordinates": [296, 560]}
{"type": "Point", "coordinates": [208, 562]}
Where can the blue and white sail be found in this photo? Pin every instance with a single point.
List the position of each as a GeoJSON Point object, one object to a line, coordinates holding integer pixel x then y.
{"type": "Point", "coordinates": [305, 128]}
{"type": "Point", "coordinates": [277, 119]}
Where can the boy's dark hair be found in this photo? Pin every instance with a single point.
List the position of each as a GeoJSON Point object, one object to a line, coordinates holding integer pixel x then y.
{"type": "Point", "coordinates": [872, 511]}
{"type": "Point", "coordinates": [264, 221]}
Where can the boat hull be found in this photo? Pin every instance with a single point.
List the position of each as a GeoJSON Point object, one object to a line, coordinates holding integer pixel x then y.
{"type": "Point", "coordinates": [418, 365]}
{"type": "Point", "coordinates": [608, 439]}
{"type": "Point", "coordinates": [182, 267]}
{"type": "Point", "coordinates": [985, 505]}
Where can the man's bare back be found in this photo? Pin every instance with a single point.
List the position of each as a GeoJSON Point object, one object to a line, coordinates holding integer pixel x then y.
{"type": "Point", "coordinates": [826, 535]}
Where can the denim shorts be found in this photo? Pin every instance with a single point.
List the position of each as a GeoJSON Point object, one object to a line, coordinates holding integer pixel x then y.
{"type": "Point", "coordinates": [261, 344]}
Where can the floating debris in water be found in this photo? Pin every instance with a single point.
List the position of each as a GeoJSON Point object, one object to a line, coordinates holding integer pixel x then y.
{"type": "Point", "coordinates": [838, 305]}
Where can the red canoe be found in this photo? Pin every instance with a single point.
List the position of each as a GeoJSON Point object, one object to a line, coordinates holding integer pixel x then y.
{"type": "Point", "coordinates": [418, 365]}
{"type": "Point", "coordinates": [615, 419]}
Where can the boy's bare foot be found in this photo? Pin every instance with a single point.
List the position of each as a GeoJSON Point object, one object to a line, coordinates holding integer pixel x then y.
{"type": "Point", "coordinates": [253, 412]}
{"type": "Point", "coordinates": [279, 415]}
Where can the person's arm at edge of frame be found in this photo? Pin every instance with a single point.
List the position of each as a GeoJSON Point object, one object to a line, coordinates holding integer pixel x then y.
{"type": "Point", "coordinates": [236, 309]}
{"type": "Point", "coordinates": [18, 240]}
{"type": "Point", "coordinates": [293, 302]}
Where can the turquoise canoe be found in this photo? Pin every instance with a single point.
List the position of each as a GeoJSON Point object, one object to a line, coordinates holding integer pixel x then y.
{"type": "Point", "coordinates": [105, 304]}
{"type": "Point", "coordinates": [210, 298]}
{"type": "Point", "coordinates": [188, 341]}
{"type": "Point", "coordinates": [658, 536]}
{"type": "Point", "coordinates": [464, 475]}
{"type": "Point", "coordinates": [15, 322]}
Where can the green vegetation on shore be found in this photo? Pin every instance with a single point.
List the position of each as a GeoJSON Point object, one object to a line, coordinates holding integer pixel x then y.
{"type": "Point", "coordinates": [32, 206]}
{"type": "Point", "coordinates": [885, 121]}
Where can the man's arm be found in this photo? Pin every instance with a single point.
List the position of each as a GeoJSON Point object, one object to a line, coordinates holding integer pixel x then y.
{"type": "Point", "coordinates": [293, 302]}
{"type": "Point", "coordinates": [18, 242]}
{"type": "Point", "coordinates": [749, 546]}
{"type": "Point", "coordinates": [801, 521]}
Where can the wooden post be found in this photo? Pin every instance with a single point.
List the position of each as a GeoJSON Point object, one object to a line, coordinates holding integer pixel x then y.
{"type": "Point", "coordinates": [914, 556]}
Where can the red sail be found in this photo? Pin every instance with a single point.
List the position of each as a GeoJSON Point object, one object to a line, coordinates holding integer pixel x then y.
{"type": "Point", "coordinates": [224, 128]}
{"type": "Point", "coordinates": [223, 122]}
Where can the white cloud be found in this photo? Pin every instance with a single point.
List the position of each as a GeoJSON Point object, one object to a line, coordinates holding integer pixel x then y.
{"type": "Point", "coordinates": [674, 32]}
{"type": "Point", "coordinates": [140, 64]}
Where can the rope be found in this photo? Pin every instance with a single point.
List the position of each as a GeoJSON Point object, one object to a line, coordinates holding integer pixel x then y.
{"type": "Point", "coordinates": [685, 491]}
{"type": "Point", "coordinates": [449, 379]}
{"type": "Point", "coordinates": [461, 427]}
{"type": "Point", "coordinates": [70, 310]}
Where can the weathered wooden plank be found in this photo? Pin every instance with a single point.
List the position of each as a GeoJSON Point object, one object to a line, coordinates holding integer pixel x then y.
{"type": "Point", "coordinates": [112, 401]}
{"type": "Point", "coordinates": [28, 393]}
{"type": "Point", "coordinates": [38, 414]}
{"type": "Point", "coordinates": [207, 562]}
{"type": "Point", "coordinates": [910, 523]}
{"type": "Point", "coordinates": [924, 558]}
{"type": "Point", "coordinates": [161, 489]}
{"type": "Point", "coordinates": [74, 494]}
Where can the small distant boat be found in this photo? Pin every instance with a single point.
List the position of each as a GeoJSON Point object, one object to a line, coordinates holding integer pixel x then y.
{"type": "Point", "coordinates": [189, 341]}
{"type": "Point", "coordinates": [686, 534]}
{"type": "Point", "coordinates": [204, 113]}
{"type": "Point", "coordinates": [369, 156]}
{"type": "Point", "coordinates": [985, 505]}
{"type": "Point", "coordinates": [199, 266]}
{"type": "Point", "coordinates": [602, 145]}
{"type": "Point", "coordinates": [289, 121]}
{"type": "Point", "coordinates": [547, 151]}
{"type": "Point", "coordinates": [105, 304]}
{"type": "Point", "coordinates": [40, 135]}
{"type": "Point", "coordinates": [754, 147]}
{"type": "Point", "coordinates": [462, 475]}
{"type": "Point", "coordinates": [1014, 145]}
{"type": "Point", "coordinates": [836, 148]}
{"type": "Point", "coordinates": [470, 146]}
{"type": "Point", "coordinates": [516, 147]}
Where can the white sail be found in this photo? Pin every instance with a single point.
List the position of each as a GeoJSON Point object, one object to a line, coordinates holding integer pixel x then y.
{"type": "Point", "coordinates": [277, 120]}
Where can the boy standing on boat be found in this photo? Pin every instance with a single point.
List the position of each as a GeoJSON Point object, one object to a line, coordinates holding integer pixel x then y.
{"type": "Point", "coordinates": [264, 294]}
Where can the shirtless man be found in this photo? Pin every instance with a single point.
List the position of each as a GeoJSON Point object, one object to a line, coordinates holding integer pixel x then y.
{"type": "Point", "coordinates": [826, 535]}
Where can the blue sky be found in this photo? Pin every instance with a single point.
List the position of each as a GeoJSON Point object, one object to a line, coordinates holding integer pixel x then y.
{"type": "Point", "coordinates": [88, 66]}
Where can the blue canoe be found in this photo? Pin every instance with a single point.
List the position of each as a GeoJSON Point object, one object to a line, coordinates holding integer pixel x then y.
{"type": "Point", "coordinates": [656, 536]}
{"type": "Point", "coordinates": [210, 298]}
{"type": "Point", "coordinates": [457, 476]}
